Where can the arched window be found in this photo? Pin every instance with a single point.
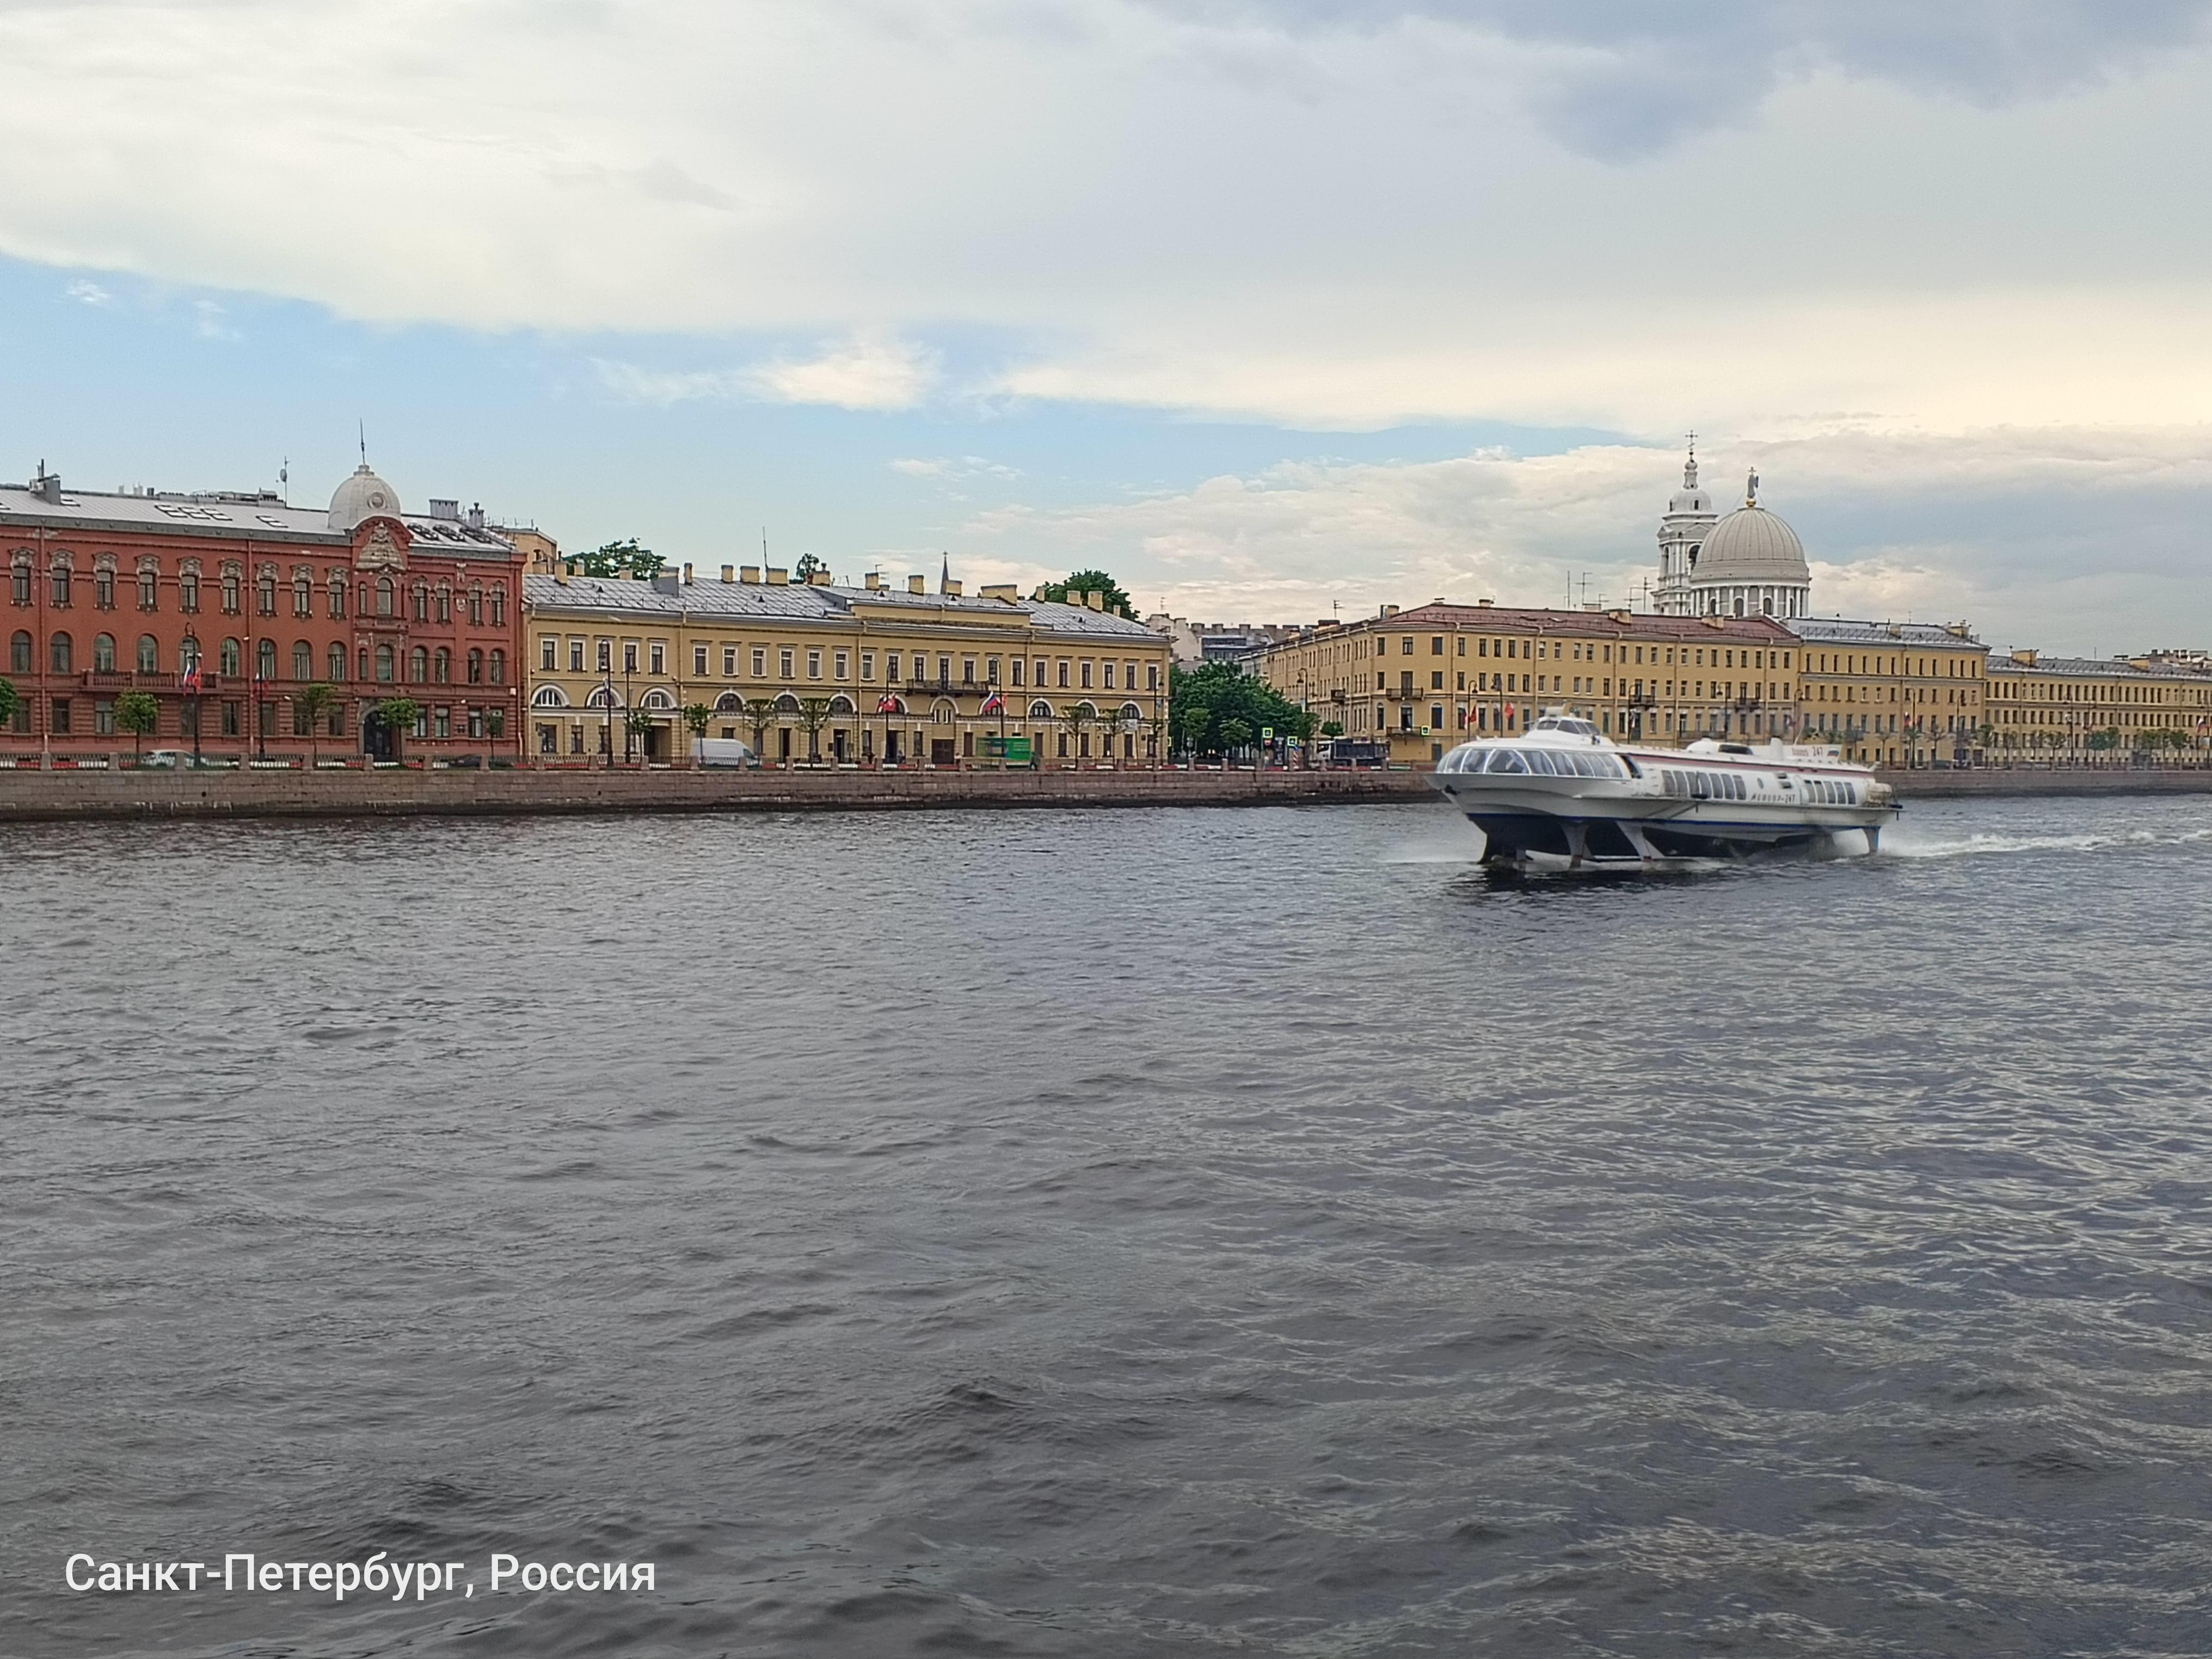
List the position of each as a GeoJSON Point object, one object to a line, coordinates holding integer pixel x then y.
{"type": "Point", "coordinates": [601, 697]}
{"type": "Point", "coordinates": [103, 654]}
{"type": "Point", "coordinates": [1086, 710]}
{"type": "Point", "coordinates": [150, 655]}
{"type": "Point", "coordinates": [22, 591]}
{"type": "Point", "coordinates": [1040, 711]}
{"type": "Point", "coordinates": [149, 584]}
{"type": "Point", "coordinates": [58, 651]}
{"type": "Point", "coordinates": [728, 704]}
{"type": "Point", "coordinates": [384, 593]}
{"type": "Point", "coordinates": [475, 607]}
{"type": "Point", "coordinates": [303, 660]}
{"type": "Point", "coordinates": [419, 665]}
{"type": "Point", "coordinates": [499, 604]}
{"type": "Point", "coordinates": [441, 666]}
{"type": "Point", "coordinates": [841, 704]}
{"type": "Point", "coordinates": [656, 698]}
{"type": "Point", "coordinates": [61, 574]}
{"type": "Point", "coordinates": [787, 704]}
{"type": "Point", "coordinates": [384, 663]}
{"type": "Point", "coordinates": [19, 653]}
{"type": "Point", "coordinates": [188, 654]}
{"type": "Point", "coordinates": [550, 697]}
{"type": "Point", "coordinates": [226, 659]}
{"type": "Point", "coordinates": [337, 594]}
{"type": "Point", "coordinates": [264, 658]}
{"type": "Point", "coordinates": [422, 602]}
{"type": "Point", "coordinates": [103, 583]}
{"type": "Point", "coordinates": [1131, 711]}
{"type": "Point", "coordinates": [445, 603]}
{"type": "Point", "coordinates": [942, 713]}
{"type": "Point", "coordinates": [475, 666]}
{"type": "Point", "coordinates": [231, 581]}
{"type": "Point", "coordinates": [265, 590]}
{"type": "Point", "coordinates": [188, 591]}
{"type": "Point", "coordinates": [498, 667]}
{"type": "Point", "coordinates": [337, 663]}
{"type": "Point", "coordinates": [303, 594]}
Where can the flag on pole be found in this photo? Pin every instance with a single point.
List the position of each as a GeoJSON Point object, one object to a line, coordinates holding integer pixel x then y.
{"type": "Point", "coordinates": [889, 704]}
{"type": "Point", "coordinates": [994, 704]}
{"type": "Point", "coordinates": [190, 681]}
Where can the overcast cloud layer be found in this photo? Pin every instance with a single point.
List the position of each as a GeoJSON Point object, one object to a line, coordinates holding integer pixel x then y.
{"type": "Point", "coordinates": [1898, 227]}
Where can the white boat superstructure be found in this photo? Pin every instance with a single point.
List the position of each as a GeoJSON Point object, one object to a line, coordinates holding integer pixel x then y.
{"type": "Point", "coordinates": [1565, 796]}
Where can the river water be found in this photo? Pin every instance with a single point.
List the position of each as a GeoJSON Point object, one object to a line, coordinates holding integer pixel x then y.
{"type": "Point", "coordinates": [1119, 1233]}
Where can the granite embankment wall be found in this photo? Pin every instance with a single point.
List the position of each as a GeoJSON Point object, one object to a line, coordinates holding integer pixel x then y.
{"type": "Point", "coordinates": [30, 795]}
{"type": "Point", "coordinates": [141, 794]}
{"type": "Point", "coordinates": [1998, 781]}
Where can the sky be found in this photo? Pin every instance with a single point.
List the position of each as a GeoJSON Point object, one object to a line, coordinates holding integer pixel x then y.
{"type": "Point", "coordinates": [1276, 309]}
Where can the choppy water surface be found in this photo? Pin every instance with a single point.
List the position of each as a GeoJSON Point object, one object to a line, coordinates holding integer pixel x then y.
{"type": "Point", "coordinates": [1121, 1233]}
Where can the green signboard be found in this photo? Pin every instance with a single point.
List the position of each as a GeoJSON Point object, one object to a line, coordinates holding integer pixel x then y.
{"type": "Point", "coordinates": [1009, 751]}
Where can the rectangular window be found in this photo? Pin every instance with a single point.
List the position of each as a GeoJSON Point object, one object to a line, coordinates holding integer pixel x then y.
{"type": "Point", "coordinates": [729, 662]}
{"type": "Point", "coordinates": [814, 664]}
{"type": "Point", "coordinates": [61, 708]}
{"type": "Point", "coordinates": [230, 711]}
{"type": "Point", "coordinates": [760, 663]}
{"type": "Point", "coordinates": [606, 655]}
{"type": "Point", "coordinates": [444, 719]}
{"type": "Point", "coordinates": [967, 670]}
{"type": "Point", "coordinates": [575, 656]}
{"type": "Point", "coordinates": [1039, 681]}
{"type": "Point", "coordinates": [657, 656]}
{"type": "Point", "coordinates": [103, 716]}
{"type": "Point", "coordinates": [944, 670]}
{"type": "Point", "coordinates": [699, 661]}
{"type": "Point", "coordinates": [1108, 680]}
{"type": "Point", "coordinates": [843, 665]}
{"type": "Point", "coordinates": [991, 671]}
{"type": "Point", "coordinates": [891, 668]}
{"type": "Point", "coordinates": [783, 662]}
{"type": "Point", "coordinates": [1020, 663]}
{"type": "Point", "coordinates": [1065, 668]}
{"type": "Point", "coordinates": [630, 656]}
{"type": "Point", "coordinates": [549, 654]}
{"type": "Point", "coordinates": [867, 664]}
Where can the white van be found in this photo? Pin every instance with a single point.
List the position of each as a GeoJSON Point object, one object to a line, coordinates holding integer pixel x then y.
{"type": "Point", "coordinates": [726, 751]}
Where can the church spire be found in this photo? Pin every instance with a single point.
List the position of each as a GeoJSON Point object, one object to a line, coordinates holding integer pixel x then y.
{"type": "Point", "coordinates": [1690, 467]}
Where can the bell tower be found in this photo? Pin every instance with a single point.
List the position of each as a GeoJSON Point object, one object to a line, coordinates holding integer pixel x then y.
{"type": "Point", "coordinates": [1682, 530]}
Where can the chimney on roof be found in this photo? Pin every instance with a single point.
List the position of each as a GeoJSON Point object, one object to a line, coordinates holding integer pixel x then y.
{"type": "Point", "coordinates": [1485, 604]}
{"type": "Point", "coordinates": [47, 486]}
{"type": "Point", "coordinates": [1389, 611]}
{"type": "Point", "coordinates": [1095, 601]}
{"type": "Point", "coordinates": [950, 587]}
{"type": "Point", "coordinates": [729, 573]}
{"type": "Point", "coordinates": [475, 516]}
{"type": "Point", "coordinates": [874, 581]}
{"type": "Point", "coordinates": [917, 584]}
{"type": "Point", "coordinates": [2025, 659]}
{"type": "Point", "coordinates": [821, 578]}
{"type": "Point", "coordinates": [1005, 592]}
{"type": "Point", "coordinates": [560, 574]}
{"type": "Point", "coordinates": [778, 576]}
{"type": "Point", "coordinates": [687, 573]}
{"type": "Point", "coordinates": [443, 507]}
{"type": "Point", "coordinates": [749, 573]}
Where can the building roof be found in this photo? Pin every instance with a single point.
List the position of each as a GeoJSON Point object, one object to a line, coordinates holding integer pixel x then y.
{"type": "Point", "coordinates": [1838, 630]}
{"type": "Point", "coordinates": [802, 602]}
{"type": "Point", "coordinates": [362, 496]}
{"type": "Point", "coordinates": [2096, 667]}
{"type": "Point", "coordinates": [229, 514]}
{"type": "Point", "coordinates": [1582, 624]}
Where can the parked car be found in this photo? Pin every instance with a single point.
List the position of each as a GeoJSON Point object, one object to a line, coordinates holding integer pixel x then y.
{"type": "Point", "coordinates": [726, 751]}
{"type": "Point", "coordinates": [167, 759]}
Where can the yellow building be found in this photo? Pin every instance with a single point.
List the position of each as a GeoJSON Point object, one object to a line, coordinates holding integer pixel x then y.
{"type": "Point", "coordinates": [2077, 711]}
{"type": "Point", "coordinates": [1895, 694]}
{"type": "Point", "coordinates": [815, 671]}
{"type": "Point", "coordinates": [1424, 679]}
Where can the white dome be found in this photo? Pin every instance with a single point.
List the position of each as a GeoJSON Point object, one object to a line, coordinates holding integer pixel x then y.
{"type": "Point", "coordinates": [1752, 545]}
{"type": "Point", "coordinates": [363, 495]}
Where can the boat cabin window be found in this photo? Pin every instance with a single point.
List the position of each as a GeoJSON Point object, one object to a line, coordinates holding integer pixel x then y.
{"type": "Point", "coordinates": [1506, 760]}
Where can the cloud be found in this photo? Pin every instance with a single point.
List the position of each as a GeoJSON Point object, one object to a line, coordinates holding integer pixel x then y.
{"type": "Point", "coordinates": [209, 321]}
{"type": "Point", "coordinates": [2057, 537]}
{"type": "Point", "coordinates": [1338, 213]}
{"type": "Point", "coordinates": [865, 372]}
{"type": "Point", "coordinates": [88, 293]}
{"type": "Point", "coordinates": [953, 468]}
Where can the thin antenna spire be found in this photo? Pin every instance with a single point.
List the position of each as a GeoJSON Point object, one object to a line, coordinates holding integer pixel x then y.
{"type": "Point", "coordinates": [361, 427]}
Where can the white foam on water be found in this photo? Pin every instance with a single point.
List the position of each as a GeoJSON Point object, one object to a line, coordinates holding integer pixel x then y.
{"type": "Point", "coordinates": [1904, 846]}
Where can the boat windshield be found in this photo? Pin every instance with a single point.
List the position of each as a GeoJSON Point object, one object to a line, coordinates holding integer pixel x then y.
{"type": "Point", "coordinates": [1562, 723]}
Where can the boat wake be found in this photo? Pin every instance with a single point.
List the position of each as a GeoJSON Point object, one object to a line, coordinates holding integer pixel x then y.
{"type": "Point", "coordinates": [1896, 846]}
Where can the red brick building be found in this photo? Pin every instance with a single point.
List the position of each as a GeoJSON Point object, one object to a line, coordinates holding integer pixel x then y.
{"type": "Point", "coordinates": [133, 591]}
